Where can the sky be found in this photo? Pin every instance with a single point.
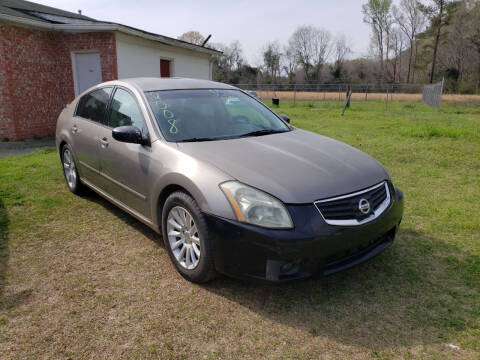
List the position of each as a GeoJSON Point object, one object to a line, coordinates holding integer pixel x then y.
{"type": "Point", "coordinates": [252, 22]}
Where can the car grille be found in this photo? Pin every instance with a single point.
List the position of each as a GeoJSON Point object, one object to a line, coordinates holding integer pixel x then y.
{"type": "Point", "coordinates": [347, 209]}
{"type": "Point", "coordinates": [349, 257]}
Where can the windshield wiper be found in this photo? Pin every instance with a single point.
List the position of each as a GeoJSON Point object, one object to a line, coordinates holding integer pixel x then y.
{"type": "Point", "coordinates": [197, 139]}
{"type": "Point", "coordinates": [252, 133]}
{"type": "Point", "coordinates": [262, 132]}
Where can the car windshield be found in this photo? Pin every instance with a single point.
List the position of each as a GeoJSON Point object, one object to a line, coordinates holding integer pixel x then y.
{"type": "Point", "coordinates": [208, 114]}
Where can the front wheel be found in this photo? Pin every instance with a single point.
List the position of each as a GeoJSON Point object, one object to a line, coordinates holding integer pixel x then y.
{"type": "Point", "coordinates": [70, 170]}
{"type": "Point", "coordinates": [185, 235]}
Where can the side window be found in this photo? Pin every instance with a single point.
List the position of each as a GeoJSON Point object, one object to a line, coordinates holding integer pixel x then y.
{"type": "Point", "coordinates": [124, 111]}
{"type": "Point", "coordinates": [93, 105]}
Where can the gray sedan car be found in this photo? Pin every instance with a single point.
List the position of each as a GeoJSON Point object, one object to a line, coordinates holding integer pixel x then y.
{"type": "Point", "coordinates": [232, 187]}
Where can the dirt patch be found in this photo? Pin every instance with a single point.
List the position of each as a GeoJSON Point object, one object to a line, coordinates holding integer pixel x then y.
{"type": "Point", "coordinates": [24, 147]}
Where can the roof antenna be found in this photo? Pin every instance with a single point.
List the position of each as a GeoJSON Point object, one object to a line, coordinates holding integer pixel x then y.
{"type": "Point", "coordinates": [208, 38]}
{"type": "Point", "coordinates": [79, 12]}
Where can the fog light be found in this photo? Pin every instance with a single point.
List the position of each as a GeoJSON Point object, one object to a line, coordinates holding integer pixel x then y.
{"type": "Point", "coordinates": [279, 270]}
{"type": "Point", "coordinates": [289, 268]}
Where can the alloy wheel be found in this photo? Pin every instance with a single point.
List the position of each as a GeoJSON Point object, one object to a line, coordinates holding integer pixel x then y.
{"type": "Point", "coordinates": [69, 169]}
{"type": "Point", "coordinates": [183, 237]}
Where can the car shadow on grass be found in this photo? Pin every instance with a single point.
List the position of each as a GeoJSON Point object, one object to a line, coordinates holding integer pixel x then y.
{"type": "Point", "coordinates": [421, 290]}
{"type": "Point", "coordinates": [4, 251]}
{"type": "Point", "coordinates": [15, 299]}
{"type": "Point", "coordinates": [92, 196]}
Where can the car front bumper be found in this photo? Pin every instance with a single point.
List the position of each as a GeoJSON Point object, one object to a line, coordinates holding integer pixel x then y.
{"type": "Point", "coordinates": [312, 248]}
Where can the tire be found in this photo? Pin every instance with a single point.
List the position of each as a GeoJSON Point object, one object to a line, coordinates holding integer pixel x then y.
{"type": "Point", "coordinates": [180, 244]}
{"type": "Point", "coordinates": [70, 170]}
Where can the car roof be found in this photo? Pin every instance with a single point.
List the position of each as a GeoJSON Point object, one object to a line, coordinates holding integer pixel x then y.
{"type": "Point", "coordinates": [153, 84]}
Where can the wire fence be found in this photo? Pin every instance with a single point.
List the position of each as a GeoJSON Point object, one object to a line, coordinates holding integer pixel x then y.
{"type": "Point", "coordinates": [337, 92]}
{"type": "Point", "coordinates": [432, 94]}
{"type": "Point", "coordinates": [328, 88]}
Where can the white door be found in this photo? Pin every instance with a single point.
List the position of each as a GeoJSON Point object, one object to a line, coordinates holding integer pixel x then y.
{"type": "Point", "coordinates": [87, 70]}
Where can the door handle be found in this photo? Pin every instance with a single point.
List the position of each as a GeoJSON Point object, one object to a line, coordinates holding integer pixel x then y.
{"type": "Point", "coordinates": [74, 129]}
{"type": "Point", "coordinates": [104, 142]}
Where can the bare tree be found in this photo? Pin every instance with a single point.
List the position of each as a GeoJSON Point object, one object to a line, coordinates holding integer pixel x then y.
{"type": "Point", "coordinates": [322, 50]}
{"type": "Point", "coordinates": [300, 43]}
{"type": "Point", "coordinates": [235, 53]}
{"type": "Point", "coordinates": [341, 51]}
{"type": "Point", "coordinates": [289, 63]}
{"type": "Point", "coordinates": [388, 22]}
{"type": "Point", "coordinates": [397, 43]}
{"type": "Point", "coordinates": [311, 46]}
{"type": "Point", "coordinates": [227, 65]}
{"type": "Point", "coordinates": [193, 37]}
{"type": "Point", "coordinates": [411, 21]}
{"type": "Point", "coordinates": [271, 60]}
{"type": "Point", "coordinates": [377, 14]}
{"type": "Point", "coordinates": [403, 49]}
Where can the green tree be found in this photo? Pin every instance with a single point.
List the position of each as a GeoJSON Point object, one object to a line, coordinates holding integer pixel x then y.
{"type": "Point", "coordinates": [474, 35]}
{"type": "Point", "coordinates": [440, 14]}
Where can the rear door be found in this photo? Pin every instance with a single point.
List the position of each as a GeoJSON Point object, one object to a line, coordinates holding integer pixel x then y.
{"type": "Point", "coordinates": [87, 70]}
{"type": "Point", "coordinates": [125, 167]}
{"type": "Point", "coordinates": [89, 118]}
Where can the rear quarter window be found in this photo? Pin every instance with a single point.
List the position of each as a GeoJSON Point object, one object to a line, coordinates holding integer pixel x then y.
{"type": "Point", "coordinates": [93, 106]}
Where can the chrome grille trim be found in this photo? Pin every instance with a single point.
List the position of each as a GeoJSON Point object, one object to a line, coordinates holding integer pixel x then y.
{"type": "Point", "coordinates": [354, 222]}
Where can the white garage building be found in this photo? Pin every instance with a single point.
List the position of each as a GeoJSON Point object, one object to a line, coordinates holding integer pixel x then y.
{"type": "Point", "coordinates": [139, 56]}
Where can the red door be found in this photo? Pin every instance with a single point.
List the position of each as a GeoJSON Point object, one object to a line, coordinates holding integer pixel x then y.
{"type": "Point", "coordinates": [164, 68]}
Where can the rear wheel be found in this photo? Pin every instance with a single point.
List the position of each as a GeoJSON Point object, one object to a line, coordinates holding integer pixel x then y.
{"type": "Point", "coordinates": [185, 235]}
{"type": "Point", "coordinates": [70, 170]}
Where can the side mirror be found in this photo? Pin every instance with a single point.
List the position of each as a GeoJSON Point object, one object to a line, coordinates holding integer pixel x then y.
{"type": "Point", "coordinates": [129, 134]}
{"type": "Point", "coordinates": [285, 118]}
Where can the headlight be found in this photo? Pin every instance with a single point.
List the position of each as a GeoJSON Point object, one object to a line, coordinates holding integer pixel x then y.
{"type": "Point", "coordinates": [255, 207]}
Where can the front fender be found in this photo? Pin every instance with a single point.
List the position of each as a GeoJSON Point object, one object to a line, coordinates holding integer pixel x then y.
{"type": "Point", "coordinates": [199, 178]}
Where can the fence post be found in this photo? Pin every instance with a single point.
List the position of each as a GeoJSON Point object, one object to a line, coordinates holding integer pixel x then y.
{"type": "Point", "coordinates": [294, 94]}
{"type": "Point", "coordinates": [386, 101]}
{"type": "Point", "coordinates": [348, 95]}
{"type": "Point", "coordinates": [347, 101]}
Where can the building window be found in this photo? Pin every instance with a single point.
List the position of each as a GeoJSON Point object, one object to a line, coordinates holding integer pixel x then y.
{"type": "Point", "coordinates": [165, 68]}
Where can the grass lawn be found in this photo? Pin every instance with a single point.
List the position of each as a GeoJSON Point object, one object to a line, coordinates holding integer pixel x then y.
{"type": "Point", "coordinates": [79, 278]}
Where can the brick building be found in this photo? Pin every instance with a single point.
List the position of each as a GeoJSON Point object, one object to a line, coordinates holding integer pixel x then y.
{"type": "Point", "coordinates": [48, 56]}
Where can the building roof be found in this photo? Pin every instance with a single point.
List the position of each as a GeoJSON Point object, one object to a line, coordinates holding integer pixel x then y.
{"type": "Point", "coordinates": [27, 9]}
{"type": "Point", "coordinates": [41, 16]}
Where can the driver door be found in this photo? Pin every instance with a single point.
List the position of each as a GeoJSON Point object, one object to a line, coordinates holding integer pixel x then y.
{"type": "Point", "coordinates": [125, 167]}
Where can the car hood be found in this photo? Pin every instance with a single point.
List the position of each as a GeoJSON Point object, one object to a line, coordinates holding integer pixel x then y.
{"type": "Point", "coordinates": [296, 166]}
